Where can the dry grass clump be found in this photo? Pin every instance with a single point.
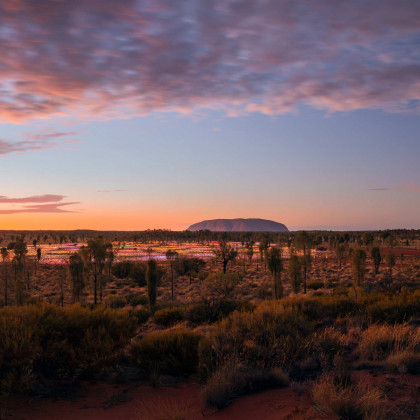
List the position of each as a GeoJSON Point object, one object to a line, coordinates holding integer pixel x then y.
{"type": "Point", "coordinates": [350, 402]}
{"type": "Point", "coordinates": [45, 341]}
{"type": "Point", "coordinates": [166, 409]}
{"type": "Point", "coordinates": [268, 337]}
{"type": "Point", "coordinates": [404, 362]}
{"type": "Point", "coordinates": [169, 316]}
{"type": "Point", "coordinates": [234, 380]}
{"type": "Point", "coordinates": [379, 341]}
{"type": "Point", "coordinates": [174, 352]}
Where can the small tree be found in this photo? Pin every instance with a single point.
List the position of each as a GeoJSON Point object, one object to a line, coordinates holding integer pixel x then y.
{"type": "Point", "coordinates": [340, 252]}
{"type": "Point", "coordinates": [20, 250]}
{"type": "Point", "coordinates": [153, 275]}
{"type": "Point", "coordinates": [216, 290]}
{"type": "Point", "coordinates": [109, 260]}
{"type": "Point", "coordinates": [275, 265]}
{"type": "Point", "coordinates": [224, 254]}
{"type": "Point", "coordinates": [295, 273]}
{"type": "Point", "coordinates": [390, 261]}
{"type": "Point", "coordinates": [358, 262]}
{"type": "Point", "coordinates": [5, 257]}
{"type": "Point", "coordinates": [171, 257]}
{"type": "Point", "coordinates": [304, 243]}
{"type": "Point", "coordinates": [375, 253]}
{"type": "Point", "coordinates": [97, 252]}
{"type": "Point", "coordinates": [263, 246]}
{"type": "Point", "coordinates": [76, 268]}
{"type": "Point", "coordinates": [250, 251]}
{"type": "Point", "coordinates": [188, 266]}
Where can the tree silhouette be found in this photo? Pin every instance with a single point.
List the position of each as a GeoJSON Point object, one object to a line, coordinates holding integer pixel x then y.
{"type": "Point", "coordinates": [5, 256]}
{"type": "Point", "coordinates": [250, 250]}
{"type": "Point", "coordinates": [153, 275]}
{"type": "Point", "coordinates": [390, 261]}
{"type": "Point", "coordinates": [275, 265]}
{"type": "Point", "coordinates": [20, 250]}
{"type": "Point", "coordinates": [295, 272]}
{"type": "Point", "coordinates": [97, 252]}
{"type": "Point", "coordinates": [263, 246]}
{"type": "Point", "coordinates": [76, 268]}
{"type": "Point", "coordinates": [375, 253]}
{"type": "Point", "coordinates": [358, 261]}
{"type": "Point", "coordinates": [171, 257]}
{"type": "Point", "coordinates": [304, 243]}
{"type": "Point", "coordinates": [224, 254]}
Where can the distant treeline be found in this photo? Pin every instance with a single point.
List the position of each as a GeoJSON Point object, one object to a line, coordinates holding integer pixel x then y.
{"type": "Point", "coordinates": [161, 235]}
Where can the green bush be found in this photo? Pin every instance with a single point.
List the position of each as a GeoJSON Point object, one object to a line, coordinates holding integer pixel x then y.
{"type": "Point", "coordinates": [404, 362]}
{"type": "Point", "coordinates": [232, 381]}
{"type": "Point", "coordinates": [60, 343]}
{"type": "Point", "coordinates": [379, 341]}
{"type": "Point", "coordinates": [141, 314]}
{"type": "Point", "coordinates": [138, 299]}
{"type": "Point", "coordinates": [268, 337]}
{"type": "Point", "coordinates": [116, 302]}
{"type": "Point", "coordinates": [205, 313]}
{"type": "Point", "coordinates": [315, 285]}
{"type": "Point", "coordinates": [138, 273]}
{"type": "Point", "coordinates": [169, 316]}
{"type": "Point", "coordinates": [121, 269]}
{"type": "Point", "coordinates": [174, 352]}
{"type": "Point", "coordinates": [348, 402]}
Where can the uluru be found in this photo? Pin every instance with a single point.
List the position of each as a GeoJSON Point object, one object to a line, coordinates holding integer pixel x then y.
{"type": "Point", "coordinates": [239, 225]}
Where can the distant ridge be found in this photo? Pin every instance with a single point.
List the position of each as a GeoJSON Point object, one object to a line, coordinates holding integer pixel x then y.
{"type": "Point", "coordinates": [239, 225]}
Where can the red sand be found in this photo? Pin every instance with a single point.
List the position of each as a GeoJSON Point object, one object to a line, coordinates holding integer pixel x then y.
{"type": "Point", "coordinates": [109, 402]}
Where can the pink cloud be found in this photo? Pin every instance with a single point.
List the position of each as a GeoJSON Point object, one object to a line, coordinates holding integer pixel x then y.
{"type": "Point", "coordinates": [41, 208]}
{"type": "Point", "coordinates": [111, 191]}
{"type": "Point", "coordinates": [106, 59]}
{"type": "Point", "coordinates": [410, 187]}
{"type": "Point", "coordinates": [34, 141]}
{"type": "Point", "coordinates": [181, 167]}
{"type": "Point", "coordinates": [46, 198]}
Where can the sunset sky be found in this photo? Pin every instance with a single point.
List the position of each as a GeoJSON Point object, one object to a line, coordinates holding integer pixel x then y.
{"type": "Point", "coordinates": [130, 115]}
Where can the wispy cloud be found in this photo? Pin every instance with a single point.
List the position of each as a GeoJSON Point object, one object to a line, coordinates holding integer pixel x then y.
{"type": "Point", "coordinates": [34, 141]}
{"type": "Point", "coordinates": [46, 198]}
{"type": "Point", "coordinates": [41, 208]}
{"type": "Point", "coordinates": [111, 191]}
{"type": "Point", "coordinates": [413, 187]}
{"type": "Point", "coordinates": [178, 167]}
{"type": "Point", "coordinates": [410, 187]}
{"type": "Point", "coordinates": [46, 203]}
{"type": "Point", "coordinates": [106, 59]}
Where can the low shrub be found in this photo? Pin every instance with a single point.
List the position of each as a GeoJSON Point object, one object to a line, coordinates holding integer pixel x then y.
{"type": "Point", "coordinates": [268, 337]}
{"type": "Point", "coordinates": [44, 340]}
{"type": "Point", "coordinates": [169, 316]}
{"type": "Point", "coordinates": [139, 299]}
{"type": "Point", "coordinates": [116, 302]}
{"type": "Point", "coordinates": [121, 269]}
{"type": "Point", "coordinates": [174, 352]}
{"type": "Point", "coordinates": [379, 341]}
{"type": "Point", "coordinates": [141, 314]}
{"type": "Point", "coordinates": [203, 313]}
{"type": "Point", "coordinates": [326, 344]}
{"type": "Point", "coordinates": [348, 402]}
{"type": "Point", "coordinates": [232, 381]}
{"type": "Point", "coordinates": [138, 273]}
{"type": "Point", "coordinates": [404, 362]}
{"type": "Point", "coordinates": [315, 285]}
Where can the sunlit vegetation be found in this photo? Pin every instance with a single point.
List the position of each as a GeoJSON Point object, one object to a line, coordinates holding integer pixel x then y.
{"type": "Point", "coordinates": [252, 312]}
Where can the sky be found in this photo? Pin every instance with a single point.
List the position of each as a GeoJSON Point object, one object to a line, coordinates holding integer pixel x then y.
{"type": "Point", "coordinates": [132, 115]}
